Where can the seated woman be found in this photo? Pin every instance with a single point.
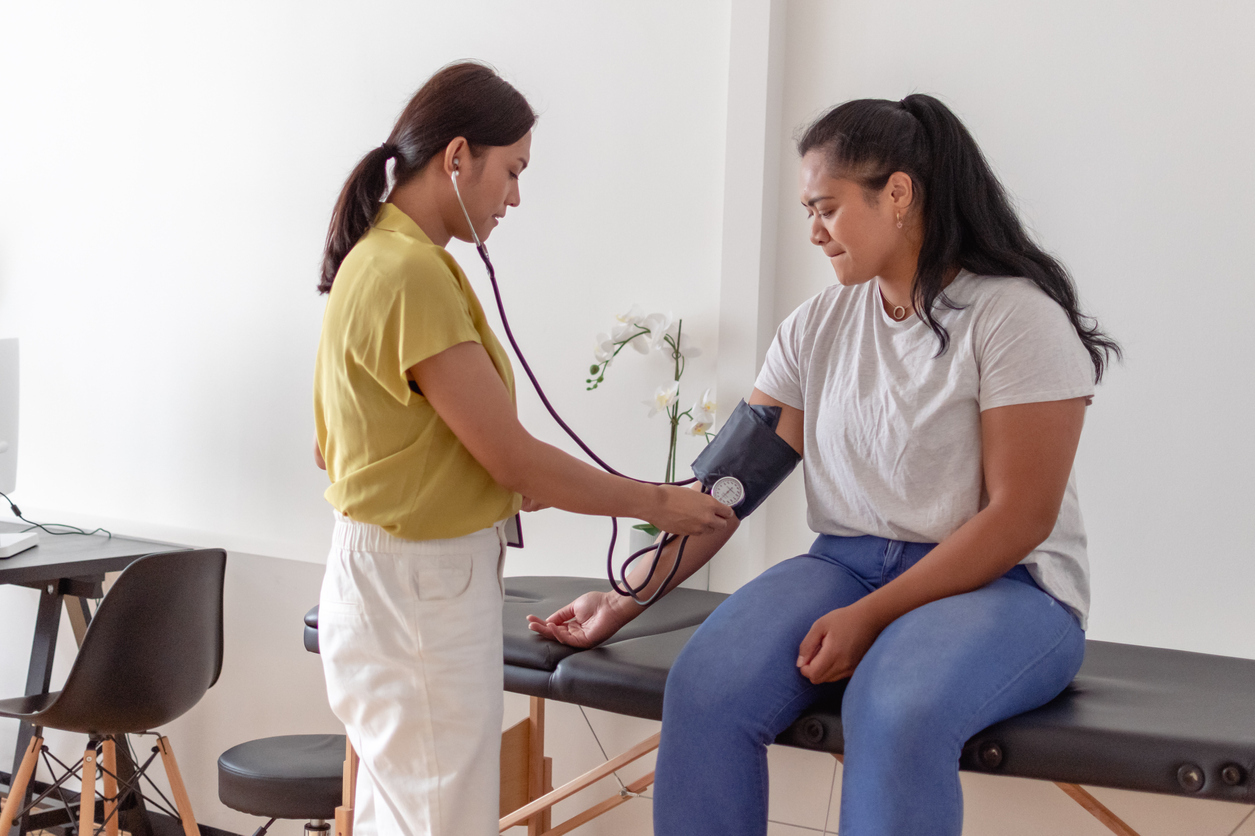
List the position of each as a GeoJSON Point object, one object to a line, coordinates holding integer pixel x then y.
{"type": "Point", "coordinates": [936, 394]}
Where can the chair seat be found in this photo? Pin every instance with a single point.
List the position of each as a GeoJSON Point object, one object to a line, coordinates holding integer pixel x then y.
{"type": "Point", "coordinates": [295, 776]}
{"type": "Point", "coordinates": [27, 708]}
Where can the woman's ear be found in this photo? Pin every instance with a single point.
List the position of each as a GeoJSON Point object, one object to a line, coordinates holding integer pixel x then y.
{"type": "Point", "coordinates": [901, 191]}
{"type": "Point", "coordinates": [457, 155]}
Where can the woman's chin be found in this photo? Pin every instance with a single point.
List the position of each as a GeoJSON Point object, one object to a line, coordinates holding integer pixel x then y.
{"type": "Point", "coordinates": [846, 278]}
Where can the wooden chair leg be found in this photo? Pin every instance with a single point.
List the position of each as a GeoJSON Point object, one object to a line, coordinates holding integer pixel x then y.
{"type": "Point", "coordinates": [87, 796]}
{"type": "Point", "coordinates": [181, 800]}
{"type": "Point", "coordinates": [17, 792]}
{"type": "Point", "coordinates": [110, 756]}
{"type": "Point", "coordinates": [344, 813]}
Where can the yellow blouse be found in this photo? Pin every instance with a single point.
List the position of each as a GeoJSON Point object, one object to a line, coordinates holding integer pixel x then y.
{"type": "Point", "coordinates": [397, 300]}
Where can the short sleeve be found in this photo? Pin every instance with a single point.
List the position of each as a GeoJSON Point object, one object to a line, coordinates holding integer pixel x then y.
{"type": "Point", "coordinates": [1028, 351]}
{"type": "Point", "coordinates": [431, 312]}
{"type": "Point", "coordinates": [781, 375]}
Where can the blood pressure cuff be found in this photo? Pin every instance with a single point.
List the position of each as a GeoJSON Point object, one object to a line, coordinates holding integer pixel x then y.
{"type": "Point", "coordinates": [748, 448]}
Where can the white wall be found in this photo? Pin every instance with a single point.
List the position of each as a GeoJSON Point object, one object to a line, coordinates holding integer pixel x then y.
{"type": "Point", "coordinates": [166, 177]}
{"type": "Point", "coordinates": [166, 174]}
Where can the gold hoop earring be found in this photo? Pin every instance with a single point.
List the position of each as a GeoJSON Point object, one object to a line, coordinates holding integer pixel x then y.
{"type": "Point", "coordinates": [899, 214]}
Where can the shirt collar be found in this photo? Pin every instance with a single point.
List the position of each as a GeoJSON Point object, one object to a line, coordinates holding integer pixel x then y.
{"type": "Point", "coordinates": [394, 220]}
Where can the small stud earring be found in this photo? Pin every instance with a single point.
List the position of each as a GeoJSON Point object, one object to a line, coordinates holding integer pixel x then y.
{"type": "Point", "coordinates": [899, 214]}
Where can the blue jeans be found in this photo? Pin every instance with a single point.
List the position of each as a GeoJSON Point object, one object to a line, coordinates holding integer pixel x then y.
{"type": "Point", "coordinates": [932, 679]}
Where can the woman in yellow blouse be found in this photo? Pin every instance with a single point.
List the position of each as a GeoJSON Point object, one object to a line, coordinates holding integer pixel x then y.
{"type": "Point", "coordinates": [416, 425]}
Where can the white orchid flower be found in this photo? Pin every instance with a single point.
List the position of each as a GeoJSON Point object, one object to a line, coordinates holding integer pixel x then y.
{"type": "Point", "coordinates": [621, 331]}
{"type": "Point", "coordinates": [663, 398]}
{"type": "Point", "coordinates": [632, 317]}
{"type": "Point", "coordinates": [642, 344]}
{"type": "Point", "coordinates": [703, 413]}
{"type": "Point", "coordinates": [658, 324]}
{"type": "Point", "coordinates": [702, 421]}
{"type": "Point", "coordinates": [604, 349]}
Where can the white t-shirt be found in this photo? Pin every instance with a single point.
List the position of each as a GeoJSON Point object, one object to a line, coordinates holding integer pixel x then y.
{"type": "Point", "coordinates": [892, 432]}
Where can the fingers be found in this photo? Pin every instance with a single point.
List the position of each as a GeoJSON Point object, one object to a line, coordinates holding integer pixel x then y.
{"type": "Point", "coordinates": [553, 632]}
{"type": "Point", "coordinates": [806, 650]}
{"type": "Point", "coordinates": [562, 616]}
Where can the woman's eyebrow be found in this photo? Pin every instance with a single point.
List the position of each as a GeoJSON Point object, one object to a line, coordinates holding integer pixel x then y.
{"type": "Point", "coordinates": [815, 200]}
{"type": "Point", "coordinates": [523, 162]}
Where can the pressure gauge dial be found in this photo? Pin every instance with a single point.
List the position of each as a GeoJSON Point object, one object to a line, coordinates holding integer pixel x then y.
{"type": "Point", "coordinates": [728, 490]}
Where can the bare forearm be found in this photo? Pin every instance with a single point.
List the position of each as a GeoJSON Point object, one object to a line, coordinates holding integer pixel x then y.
{"type": "Point", "coordinates": [549, 476]}
{"type": "Point", "coordinates": [984, 548]}
{"type": "Point", "coordinates": [698, 551]}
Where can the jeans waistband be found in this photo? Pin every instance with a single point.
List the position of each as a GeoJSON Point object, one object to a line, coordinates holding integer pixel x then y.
{"type": "Point", "coordinates": [878, 560]}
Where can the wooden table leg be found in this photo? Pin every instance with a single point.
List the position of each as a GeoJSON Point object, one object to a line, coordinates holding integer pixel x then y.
{"type": "Point", "coordinates": [538, 823]}
{"type": "Point", "coordinates": [1097, 809]}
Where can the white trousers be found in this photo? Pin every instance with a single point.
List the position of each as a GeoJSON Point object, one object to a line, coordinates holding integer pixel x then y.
{"type": "Point", "coordinates": [410, 635]}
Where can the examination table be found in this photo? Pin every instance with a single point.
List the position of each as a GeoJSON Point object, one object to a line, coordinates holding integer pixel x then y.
{"type": "Point", "coordinates": [1135, 718]}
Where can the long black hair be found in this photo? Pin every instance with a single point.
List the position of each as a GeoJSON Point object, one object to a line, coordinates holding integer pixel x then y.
{"type": "Point", "coordinates": [967, 217]}
{"type": "Point", "coordinates": [468, 100]}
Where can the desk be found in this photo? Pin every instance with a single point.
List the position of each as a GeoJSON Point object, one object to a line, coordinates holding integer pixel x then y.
{"type": "Point", "coordinates": [69, 570]}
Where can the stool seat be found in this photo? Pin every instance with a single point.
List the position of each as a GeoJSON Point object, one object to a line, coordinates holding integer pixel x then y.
{"type": "Point", "coordinates": [296, 776]}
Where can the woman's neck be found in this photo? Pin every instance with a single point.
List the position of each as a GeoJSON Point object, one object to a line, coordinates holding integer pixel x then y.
{"type": "Point", "coordinates": [896, 290]}
{"type": "Point", "coordinates": [422, 198]}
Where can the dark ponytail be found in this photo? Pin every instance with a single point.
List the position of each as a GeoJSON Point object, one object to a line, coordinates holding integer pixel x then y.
{"type": "Point", "coordinates": [468, 100]}
{"type": "Point", "coordinates": [967, 217]}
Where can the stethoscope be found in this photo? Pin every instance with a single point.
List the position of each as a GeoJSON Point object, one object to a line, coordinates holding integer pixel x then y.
{"type": "Point", "coordinates": [727, 490]}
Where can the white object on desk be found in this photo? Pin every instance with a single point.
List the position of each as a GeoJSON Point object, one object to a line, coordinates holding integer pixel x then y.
{"type": "Point", "coordinates": [11, 544]}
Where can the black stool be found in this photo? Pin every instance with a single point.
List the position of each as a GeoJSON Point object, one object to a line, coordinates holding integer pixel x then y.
{"type": "Point", "coordinates": [298, 776]}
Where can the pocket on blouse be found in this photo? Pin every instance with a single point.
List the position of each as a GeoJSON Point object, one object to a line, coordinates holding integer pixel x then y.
{"type": "Point", "coordinates": [443, 577]}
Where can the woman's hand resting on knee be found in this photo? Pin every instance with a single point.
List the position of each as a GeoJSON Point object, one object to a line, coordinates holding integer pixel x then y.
{"type": "Point", "coordinates": [836, 644]}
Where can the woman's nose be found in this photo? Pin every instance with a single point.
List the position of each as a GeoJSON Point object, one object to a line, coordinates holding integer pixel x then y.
{"type": "Point", "coordinates": [819, 235]}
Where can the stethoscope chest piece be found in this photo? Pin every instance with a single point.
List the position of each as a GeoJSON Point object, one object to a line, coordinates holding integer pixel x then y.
{"type": "Point", "coordinates": [728, 490]}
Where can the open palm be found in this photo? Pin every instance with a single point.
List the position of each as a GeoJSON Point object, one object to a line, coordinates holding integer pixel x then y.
{"type": "Point", "coordinates": [585, 622]}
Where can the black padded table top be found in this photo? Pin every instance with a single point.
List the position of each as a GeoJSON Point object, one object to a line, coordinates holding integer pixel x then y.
{"type": "Point", "coordinates": [1138, 718]}
{"type": "Point", "coordinates": [542, 597]}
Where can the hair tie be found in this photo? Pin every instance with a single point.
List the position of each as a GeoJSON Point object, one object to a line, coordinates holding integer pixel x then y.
{"type": "Point", "coordinates": [389, 149]}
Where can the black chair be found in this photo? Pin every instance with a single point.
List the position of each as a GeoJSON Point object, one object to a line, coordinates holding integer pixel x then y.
{"type": "Point", "coordinates": [151, 652]}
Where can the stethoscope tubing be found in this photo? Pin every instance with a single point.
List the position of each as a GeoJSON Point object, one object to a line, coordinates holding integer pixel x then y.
{"type": "Point", "coordinates": [627, 590]}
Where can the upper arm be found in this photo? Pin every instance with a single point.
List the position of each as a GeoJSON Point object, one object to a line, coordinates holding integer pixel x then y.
{"type": "Point", "coordinates": [464, 388]}
{"type": "Point", "coordinates": [791, 426]}
{"type": "Point", "coordinates": [1028, 450]}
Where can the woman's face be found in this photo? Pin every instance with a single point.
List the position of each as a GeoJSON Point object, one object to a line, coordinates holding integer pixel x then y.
{"type": "Point", "coordinates": [490, 183]}
{"type": "Point", "coordinates": [857, 230]}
